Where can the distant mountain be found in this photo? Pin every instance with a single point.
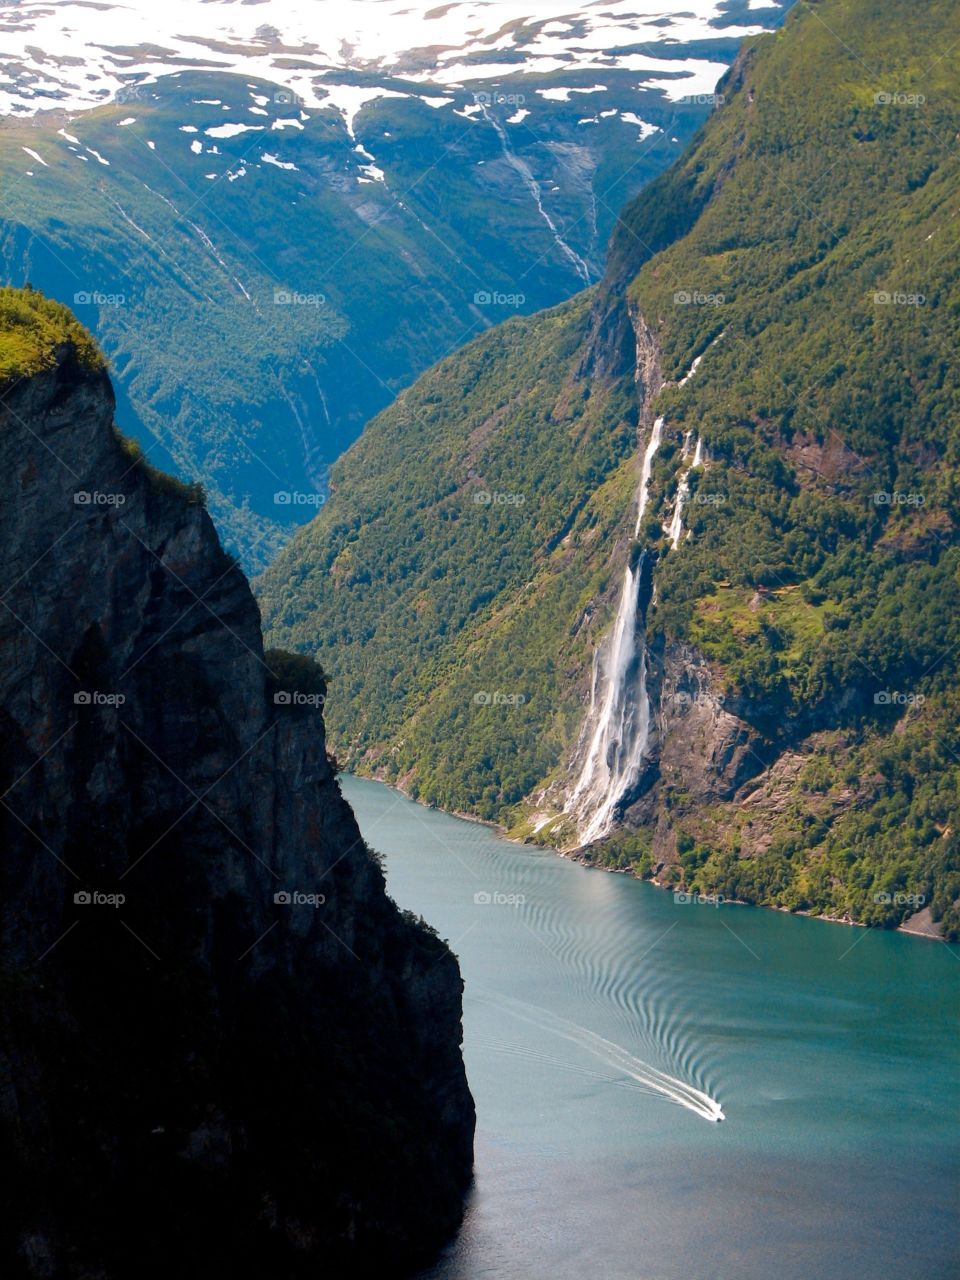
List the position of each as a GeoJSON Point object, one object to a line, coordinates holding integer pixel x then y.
{"type": "Point", "coordinates": [672, 570]}
{"type": "Point", "coordinates": [274, 221]}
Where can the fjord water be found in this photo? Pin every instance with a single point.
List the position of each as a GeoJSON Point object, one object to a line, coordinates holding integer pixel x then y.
{"type": "Point", "coordinates": [831, 1051]}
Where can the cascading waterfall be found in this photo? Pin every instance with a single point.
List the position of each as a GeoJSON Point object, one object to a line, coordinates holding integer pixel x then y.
{"type": "Point", "coordinates": [675, 528]}
{"type": "Point", "coordinates": [618, 726]}
{"type": "Point", "coordinates": [619, 720]}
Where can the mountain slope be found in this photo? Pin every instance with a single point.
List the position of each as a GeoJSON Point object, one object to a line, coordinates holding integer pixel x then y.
{"type": "Point", "coordinates": [780, 312]}
{"type": "Point", "coordinates": [272, 229]}
{"type": "Point", "coordinates": [223, 1047]}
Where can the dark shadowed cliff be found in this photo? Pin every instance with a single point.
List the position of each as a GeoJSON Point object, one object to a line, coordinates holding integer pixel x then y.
{"type": "Point", "coordinates": [196, 1076]}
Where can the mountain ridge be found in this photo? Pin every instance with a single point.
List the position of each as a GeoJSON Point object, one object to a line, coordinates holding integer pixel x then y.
{"type": "Point", "coordinates": [798, 642]}
{"type": "Point", "coordinates": [269, 248]}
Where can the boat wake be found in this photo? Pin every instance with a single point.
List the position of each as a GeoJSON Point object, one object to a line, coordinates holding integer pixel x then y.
{"type": "Point", "coordinates": [615, 1056]}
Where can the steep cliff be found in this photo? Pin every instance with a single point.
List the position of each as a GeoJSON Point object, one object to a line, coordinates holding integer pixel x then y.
{"type": "Point", "coordinates": [223, 1047]}
{"type": "Point", "coordinates": [771, 635]}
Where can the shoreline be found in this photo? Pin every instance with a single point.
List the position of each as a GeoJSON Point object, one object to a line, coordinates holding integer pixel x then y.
{"type": "Point", "coordinates": [576, 855]}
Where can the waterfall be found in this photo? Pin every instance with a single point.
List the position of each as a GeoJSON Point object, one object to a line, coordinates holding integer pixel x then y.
{"type": "Point", "coordinates": [675, 527]}
{"type": "Point", "coordinates": [618, 725]}
{"type": "Point", "coordinates": [656, 435]}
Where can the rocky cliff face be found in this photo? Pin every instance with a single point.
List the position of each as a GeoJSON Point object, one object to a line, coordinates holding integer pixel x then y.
{"type": "Point", "coordinates": [223, 1045]}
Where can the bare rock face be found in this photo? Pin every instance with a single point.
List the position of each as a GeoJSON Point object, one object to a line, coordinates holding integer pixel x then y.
{"type": "Point", "coordinates": [224, 1050]}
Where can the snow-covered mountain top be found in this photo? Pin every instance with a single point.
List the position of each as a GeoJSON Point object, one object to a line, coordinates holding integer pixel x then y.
{"type": "Point", "coordinates": [76, 54]}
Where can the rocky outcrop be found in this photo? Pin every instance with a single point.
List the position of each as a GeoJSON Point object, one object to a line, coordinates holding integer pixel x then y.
{"type": "Point", "coordinates": [224, 1050]}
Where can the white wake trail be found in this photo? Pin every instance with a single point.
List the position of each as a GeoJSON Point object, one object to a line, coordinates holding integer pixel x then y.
{"type": "Point", "coordinates": [614, 1055]}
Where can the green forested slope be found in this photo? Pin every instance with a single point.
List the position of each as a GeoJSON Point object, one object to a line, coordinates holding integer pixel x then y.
{"type": "Point", "coordinates": [806, 247]}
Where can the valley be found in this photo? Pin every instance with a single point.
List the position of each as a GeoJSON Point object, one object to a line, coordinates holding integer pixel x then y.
{"type": "Point", "coordinates": [798, 636]}
{"type": "Point", "coordinates": [270, 237]}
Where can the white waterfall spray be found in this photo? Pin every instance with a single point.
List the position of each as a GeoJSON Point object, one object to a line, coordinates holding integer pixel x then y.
{"type": "Point", "coordinates": [675, 527]}
{"type": "Point", "coordinates": [617, 730]}
{"type": "Point", "coordinates": [618, 725]}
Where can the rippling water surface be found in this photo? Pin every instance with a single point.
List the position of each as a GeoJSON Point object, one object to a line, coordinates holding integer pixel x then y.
{"type": "Point", "coordinates": [605, 1029]}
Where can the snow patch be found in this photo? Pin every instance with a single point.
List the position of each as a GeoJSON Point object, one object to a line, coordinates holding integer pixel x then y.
{"type": "Point", "coordinates": [231, 130]}
{"type": "Point", "coordinates": [563, 95]}
{"type": "Point", "coordinates": [628, 117]}
{"type": "Point", "coordinates": [268, 158]}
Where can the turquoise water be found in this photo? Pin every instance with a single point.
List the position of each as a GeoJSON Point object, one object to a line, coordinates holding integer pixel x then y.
{"type": "Point", "coordinates": [597, 1015]}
